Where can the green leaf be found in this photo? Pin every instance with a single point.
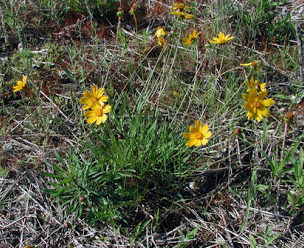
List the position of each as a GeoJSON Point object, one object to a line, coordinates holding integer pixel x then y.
{"type": "Point", "coordinates": [287, 157]}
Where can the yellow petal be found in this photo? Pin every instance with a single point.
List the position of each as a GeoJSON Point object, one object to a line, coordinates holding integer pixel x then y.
{"type": "Point", "coordinates": [259, 118]}
{"type": "Point", "coordinates": [104, 118]}
{"type": "Point", "coordinates": [204, 129]}
{"type": "Point", "coordinates": [98, 121]}
{"type": "Point", "coordinates": [190, 143]}
{"type": "Point", "coordinates": [207, 134]}
{"type": "Point", "coordinates": [245, 96]}
{"type": "Point", "coordinates": [161, 41]}
{"type": "Point", "coordinates": [221, 35]}
{"type": "Point", "coordinates": [193, 129]}
{"type": "Point", "coordinates": [100, 91]}
{"type": "Point", "coordinates": [197, 142]}
{"type": "Point", "coordinates": [104, 98]}
{"type": "Point", "coordinates": [88, 113]}
{"type": "Point", "coordinates": [16, 88]}
{"type": "Point", "coordinates": [263, 87]}
{"type": "Point", "coordinates": [250, 115]}
{"type": "Point", "coordinates": [246, 64]}
{"type": "Point", "coordinates": [107, 109]}
{"type": "Point", "coordinates": [92, 119]}
{"type": "Point", "coordinates": [160, 31]}
{"type": "Point", "coordinates": [94, 89]}
{"type": "Point", "coordinates": [84, 107]}
{"type": "Point", "coordinates": [213, 42]}
{"type": "Point", "coordinates": [187, 135]}
{"type": "Point", "coordinates": [188, 16]}
{"type": "Point", "coordinates": [204, 141]}
{"type": "Point", "coordinates": [263, 111]}
{"type": "Point", "coordinates": [187, 41]}
{"type": "Point", "coordinates": [198, 125]}
{"type": "Point", "coordinates": [247, 106]}
{"type": "Point", "coordinates": [268, 102]}
{"type": "Point", "coordinates": [24, 78]}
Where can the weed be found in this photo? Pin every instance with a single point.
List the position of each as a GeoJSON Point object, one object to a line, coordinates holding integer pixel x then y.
{"type": "Point", "coordinates": [132, 155]}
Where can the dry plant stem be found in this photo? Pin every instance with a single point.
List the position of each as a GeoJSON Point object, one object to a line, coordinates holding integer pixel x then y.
{"type": "Point", "coordinates": [220, 170]}
{"type": "Point", "coordinates": [300, 50]}
{"type": "Point", "coordinates": [284, 140]}
{"type": "Point", "coordinates": [38, 204]}
{"type": "Point", "coordinates": [263, 212]}
{"type": "Point", "coordinates": [56, 107]}
{"type": "Point", "coordinates": [239, 152]}
{"type": "Point", "coordinates": [16, 221]}
{"type": "Point", "coordinates": [225, 224]}
{"type": "Point", "coordinates": [298, 240]}
{"type": "Point", "coordinates": [19, 123]}
{"type": "Point", "coordinates": [23, 222]}
{"type": "Point", "coordinates": [274, 68]}
{"type": "Point", "coordinates": [59, 110]}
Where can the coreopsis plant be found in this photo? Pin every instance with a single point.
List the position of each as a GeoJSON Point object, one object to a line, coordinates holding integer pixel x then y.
{"type": "Point", "coordinates": [255, 102]}
{"type": "Point", "coordinates": [221, 39]}
{"type": "Point", "coordinates": [191, 37]}
{"type": "Point", "coordinates": [253, 64]}
{"type": "Point", "coordinates": [198, 135]}
{"type": "Point", "coordinates": [93, 97]}
{"type": "Point", "coordinates": [20, 84]}
{"type": "Point", "coordinates": [114, 174]}
{"type": "Point", "coordinates": [160, 33]}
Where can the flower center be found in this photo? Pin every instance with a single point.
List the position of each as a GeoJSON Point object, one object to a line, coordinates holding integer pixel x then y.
{"type": "Point", "coordinates": [256, 104]}
{"type": "Point", "coordinates": [199, 136]}
{"type": "Point", "coordinates": [96, 101]}
{"type": "Point", "coordinates": [99, 112]}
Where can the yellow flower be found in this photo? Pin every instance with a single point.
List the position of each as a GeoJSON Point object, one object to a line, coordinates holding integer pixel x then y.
{"type": "Point", "coordinates": [253, 64]}
{"type": "Point", "coordinates": [133, 9]}
{"type": "Point", "coordinates": [198, 135]}
{"type": "Point", "coordinates": [97, 114]}
{"type": "Point", "coordinates": [191, 37]}
{"type": "Point", "coordinates": [221, 39]}
{"type": "Point", "coordinates": [179, 6]}
{"type": "Point", "coordinates": [176, 94]}
{"type": "Point", "coordinates": [254, 84]}
{"type": "Point", "coordinates": [20, 84]}
{"type": "Point", "coordinates": [263, 87]}
{"type": "Point", "coordinates": [179, 10]}
{"type": "Point", "coordinates": [160, 32]}
{"type": "Point", "coordinates": [161, 41]}
{"type": "Point", "coordinates": [94, 97]}
{"type": "Point", "coordinates": [256, 105]}
{"type": "Point", "coordinates": [182, 14]}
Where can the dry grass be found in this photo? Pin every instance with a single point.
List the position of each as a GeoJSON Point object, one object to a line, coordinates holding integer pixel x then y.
{"type": "Point", "coordinates": [30, 217]}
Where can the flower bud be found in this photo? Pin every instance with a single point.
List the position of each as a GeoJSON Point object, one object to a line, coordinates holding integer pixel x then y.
{"type": "Point", "coordinates": [237, 131]}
